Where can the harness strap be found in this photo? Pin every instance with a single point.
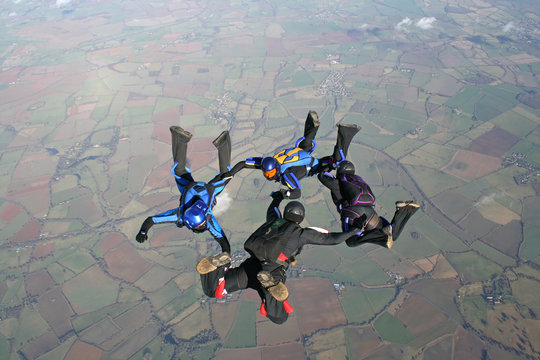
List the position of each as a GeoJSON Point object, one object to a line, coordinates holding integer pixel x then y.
{"type": "Point", "coordinates": [372, 222]}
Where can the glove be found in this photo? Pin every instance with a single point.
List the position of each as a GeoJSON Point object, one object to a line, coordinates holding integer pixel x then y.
{"type": "Point", "coordinates": [141, 237]}
{"type": "Point", "coordinates": [277, 195]}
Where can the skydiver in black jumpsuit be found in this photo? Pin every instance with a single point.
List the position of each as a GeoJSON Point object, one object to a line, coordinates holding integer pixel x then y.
{"type": "Point", "coordinates": [355, 202]}
{"type": "Point", "coordinates": [272, 247]}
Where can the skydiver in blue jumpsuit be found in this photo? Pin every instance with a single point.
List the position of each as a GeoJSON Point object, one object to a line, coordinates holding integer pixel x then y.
{"type": "Point", "coordinates": [291, 165]}
{"type": "Point", "coordinates": [197, 198]}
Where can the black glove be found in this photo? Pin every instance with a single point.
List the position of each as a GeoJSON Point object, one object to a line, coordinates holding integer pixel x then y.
{"type": "Point", "coordinates": [277, 195]}
{"type": "Point", "coordinates": [141, 237]}
{"type": "Point", "coordinates": [285, 193]}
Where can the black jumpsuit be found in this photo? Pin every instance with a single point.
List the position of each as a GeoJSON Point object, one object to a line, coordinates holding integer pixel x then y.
{"type": "Point", "coordinates": [272, 247]}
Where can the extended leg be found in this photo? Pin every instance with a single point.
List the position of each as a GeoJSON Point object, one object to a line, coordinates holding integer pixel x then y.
{"type": "Point", "coordinates": [310, 131]}
{"type": "Point", "coordinates": [345, 135]}
{"type": "Point", "coordinates": [223, 144]}
{"type": "Point", "coordinates": [180, 140]}
{"type": "Point", "coordinates": [404, 210]}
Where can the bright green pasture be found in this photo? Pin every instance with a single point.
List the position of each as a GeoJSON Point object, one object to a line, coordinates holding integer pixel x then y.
{"type": "Point", "coordinates": [391, 329]}
{"type": "Point", "coordinates": [473, 266]}
{"type": "Point", "coordinates": [361, 305]}
{"type": "Point", "coordinates": [243, 333]}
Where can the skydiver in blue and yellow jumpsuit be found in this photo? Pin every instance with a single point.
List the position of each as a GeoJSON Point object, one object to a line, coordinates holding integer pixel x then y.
{"type": "Point", "coordinates": [291, 165]}
{"type": "Point", "coordinates": [197, 198]}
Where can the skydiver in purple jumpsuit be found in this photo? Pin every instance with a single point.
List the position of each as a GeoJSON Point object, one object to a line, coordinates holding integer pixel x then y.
{"type": "Point", "coordinates": [355, 203]}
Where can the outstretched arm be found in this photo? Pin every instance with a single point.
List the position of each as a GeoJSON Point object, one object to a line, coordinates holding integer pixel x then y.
{"type": "Point", "coordinates": [311, 236]}
{"type": "Point", "coordinates": [249, 163]}
{"type": "Point", "coordinates": [169, 216]}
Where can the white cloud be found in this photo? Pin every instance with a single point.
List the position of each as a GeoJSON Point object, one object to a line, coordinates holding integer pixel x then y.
{"type": "Point", "coordinates": [60, 3]}
{"type": "Point", "coordinates": [364, 26]}
{"type": "Point", "coordinates": [509, 27]}
{"type": "Point", "coordinates": [224, 201]}
{"type": "Point", "coordinates": [426, 23]}
{"type": "Point", "coordinates": [406, 21]}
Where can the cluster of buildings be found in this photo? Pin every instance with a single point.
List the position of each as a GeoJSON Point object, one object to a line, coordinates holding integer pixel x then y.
{"type": "Point", "coordinates": [333, 85]}
{"type": "Point", "coordinates": [533, 171]}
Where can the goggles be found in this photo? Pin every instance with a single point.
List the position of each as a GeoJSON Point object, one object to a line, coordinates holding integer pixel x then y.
{"type": "Point", "coordinates": [270, 173]}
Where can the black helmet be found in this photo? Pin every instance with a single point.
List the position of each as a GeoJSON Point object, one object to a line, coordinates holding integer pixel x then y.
{"type": "Point", "coordinates": [345, 167]}
{"type": "Point", "coordinates": [294, 211]}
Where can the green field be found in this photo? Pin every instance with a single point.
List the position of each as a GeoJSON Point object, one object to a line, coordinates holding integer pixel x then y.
{"type": "Point", "coordinates": [361, 305]}
{"type": "Point", "coordinates": [91, 290]}
{"type": "Point", "coordinates": [493, 254]}
{"type": "Point", "coordinates": [361, 270]}
{"type": "Point", "coordinates": [472, 266]}
{"type": "Point", "coordinates": [320, 258]}
{"type": "Point", "coordinates": [243, 332]}
{"type": "Point", "coordinates": [432, 181]}
{"type": "Point", "coordinates": [391, 329]}
{"type": "Point", "coordinates": [441, 238]}
{"type": "Point", "coordinates": [474, 311]}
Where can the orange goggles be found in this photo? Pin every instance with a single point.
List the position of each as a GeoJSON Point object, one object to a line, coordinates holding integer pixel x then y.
{"type": "Point", "coordinates": [201, 226]}
{"type": "Point", "coordinates": [270, 173]}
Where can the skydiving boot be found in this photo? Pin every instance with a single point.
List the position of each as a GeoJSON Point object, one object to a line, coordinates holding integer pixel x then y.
{"type": "Point", "coordinates": [277, 289]}
{"type": "Point", "coordinates": [346, 132]}
{"type": "Point", "coordinates": [402, 204]}
{"type": "Point", "coordinates": [310, 131]}
{"type": "Point", "coordinates": [223, 144]}
{"type": "Point", "coordinates": [210, 263]}
{"type": "Point", "coordinates": [180, 139]}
